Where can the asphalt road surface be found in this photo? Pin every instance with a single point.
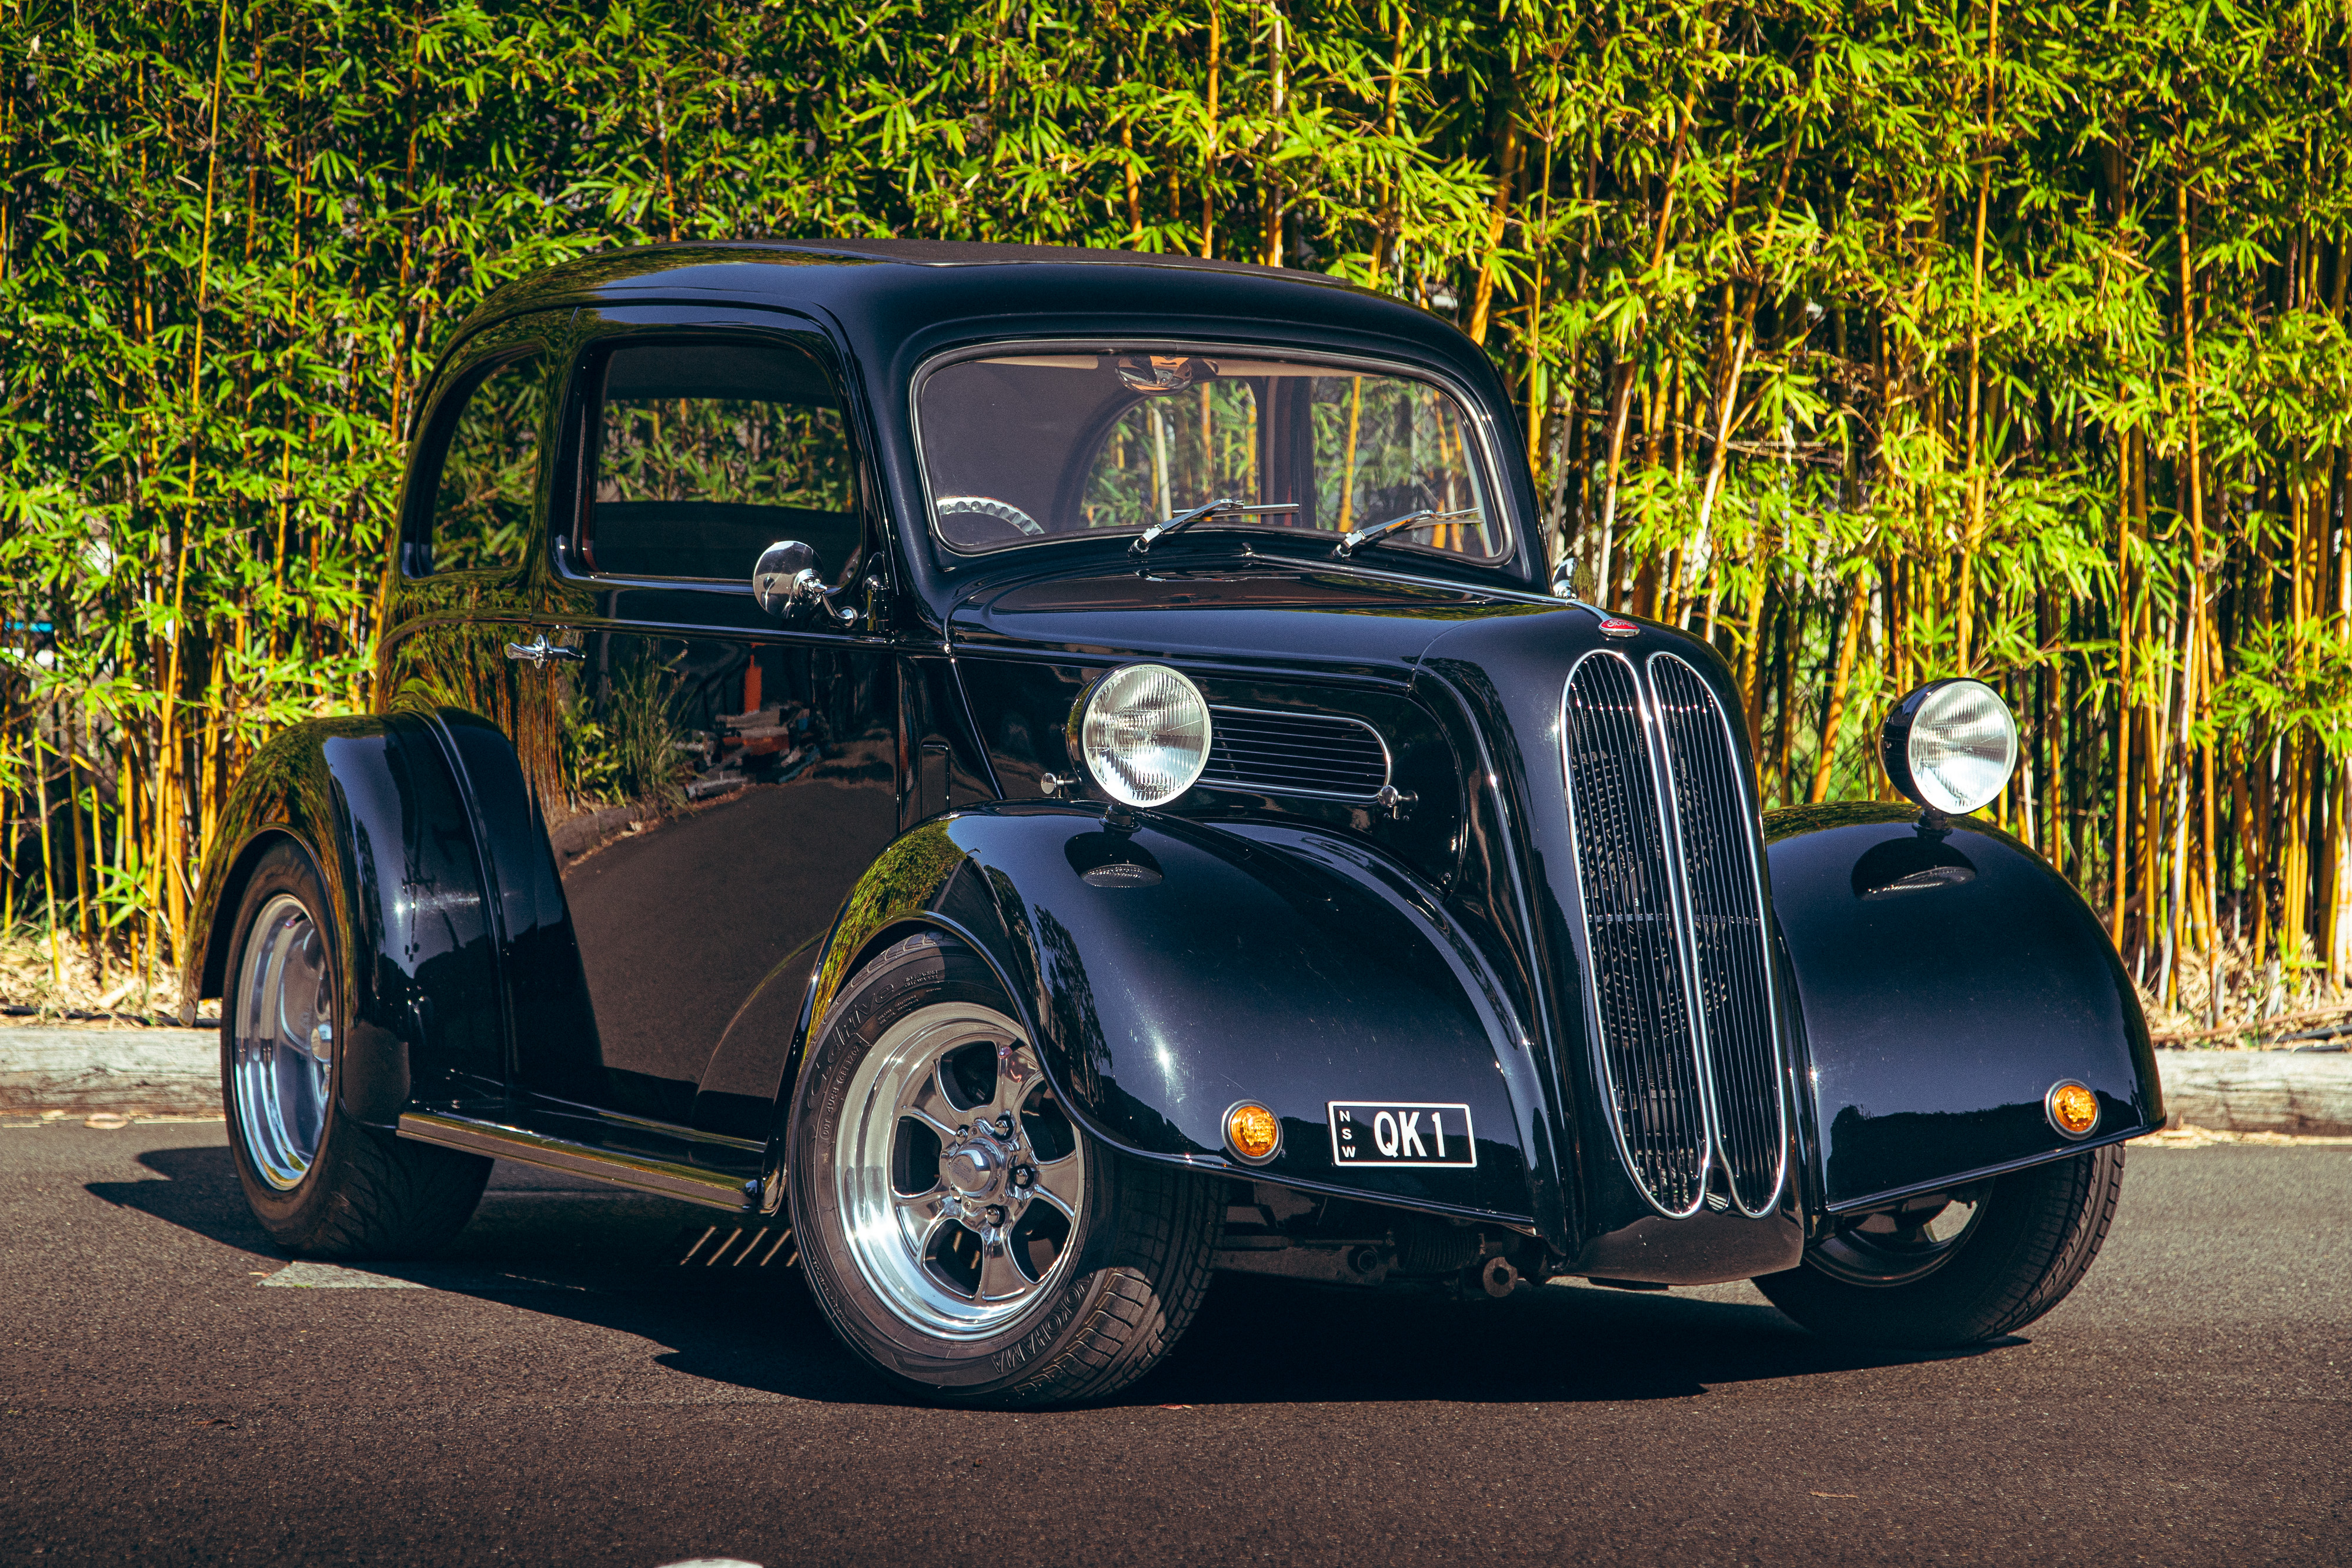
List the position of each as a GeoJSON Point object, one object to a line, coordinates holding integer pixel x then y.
{"type": "Point", "coordinates": [559, 1390]}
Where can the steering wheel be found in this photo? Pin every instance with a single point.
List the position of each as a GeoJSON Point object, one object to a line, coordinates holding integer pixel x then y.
{"type": "Point", "coordinates": [989, 507]}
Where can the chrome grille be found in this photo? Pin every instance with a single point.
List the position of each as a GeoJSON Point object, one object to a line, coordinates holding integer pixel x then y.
{"type": "Point", "coordinates": [1665, 857]}
{"type": "Point", "coordinates": [1629, 922]}
{"type": "Point", "coordinates": [1726, 926]}
{"type": "Point", "coordinates": [1319, 755]}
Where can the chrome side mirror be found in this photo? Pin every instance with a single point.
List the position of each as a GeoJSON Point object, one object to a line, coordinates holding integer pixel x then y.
{"type": "Point", "coordinates": [786, 583]}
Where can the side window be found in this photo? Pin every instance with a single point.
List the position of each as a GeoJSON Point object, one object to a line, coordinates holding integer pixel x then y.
{"type": "Point", "coordinates": [488, 477]}
{"type": "Point", "coordinates": [708, 453]}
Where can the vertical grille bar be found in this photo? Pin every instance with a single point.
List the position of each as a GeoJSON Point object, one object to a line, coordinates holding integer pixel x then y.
{"type": "Point", "coordinates": [1639, 988]}
{"type": "Point", "coordinates": [1725, 898]}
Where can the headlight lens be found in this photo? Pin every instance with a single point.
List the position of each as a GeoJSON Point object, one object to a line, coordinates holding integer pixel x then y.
{"type": "Point", "coordinates": [1952, 746]}
{"type": "Point", "coordinates": [1144, 734]}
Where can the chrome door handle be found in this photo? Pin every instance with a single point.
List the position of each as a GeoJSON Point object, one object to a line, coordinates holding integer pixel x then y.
{"type": "Point", "coordinates": [540, 651]}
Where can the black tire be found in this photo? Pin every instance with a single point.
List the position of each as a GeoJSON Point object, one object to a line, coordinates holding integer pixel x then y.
{"type": "Point", "coordinates": [1138, 1254]}
{"type": "Point", "coordinates": [2037, 1237]}
{"type": "Point", "coordinates": [365, 1193]}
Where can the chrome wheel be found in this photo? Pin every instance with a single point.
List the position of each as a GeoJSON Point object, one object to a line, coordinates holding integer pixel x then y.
{"type": "Point", "coordinates": [284, 1045]}
{"type": "Point", "coordinates": [1898, 1246]}
{"type": "Point", "coordinates": [959, 1176]}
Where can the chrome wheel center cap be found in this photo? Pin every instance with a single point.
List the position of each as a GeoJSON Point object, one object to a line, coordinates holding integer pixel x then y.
{"type": "Point", "coordinates": [974, 1169]}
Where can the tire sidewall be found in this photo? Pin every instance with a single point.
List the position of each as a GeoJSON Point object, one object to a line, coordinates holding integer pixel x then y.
{"type": "Point", "coordinates": [2011, 1269]}
{"type": "Point", "coordinates": [916, 974]}
{"type": "Point", "coordinates": [293, 1215]}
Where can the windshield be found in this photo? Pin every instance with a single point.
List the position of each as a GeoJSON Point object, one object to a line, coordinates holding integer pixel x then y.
{"type": "Point", "coordinates": [1021, 448]}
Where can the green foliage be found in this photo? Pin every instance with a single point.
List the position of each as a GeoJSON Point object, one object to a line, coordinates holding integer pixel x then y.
{"type": "Point", "coordinates": [626, 749]}
{"type": "Point", "coordinates": [1872, 341]}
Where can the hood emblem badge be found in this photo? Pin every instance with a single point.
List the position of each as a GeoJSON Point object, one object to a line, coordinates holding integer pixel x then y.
{"type": "Point", "coordinates": [1617, 626]}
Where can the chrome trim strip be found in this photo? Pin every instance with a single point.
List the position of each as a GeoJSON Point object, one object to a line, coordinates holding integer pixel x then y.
{"type": "Point", "coordinates": [2023, 1161]}
{"type": "Point", "coordinates": [574, 1110]}
{"type": "Point", "coordinates": [1689, 922]}
{"type": "Point", "coordinates": [1283, 792]}
{"type": "Point", "coordinates": [633, 1171]}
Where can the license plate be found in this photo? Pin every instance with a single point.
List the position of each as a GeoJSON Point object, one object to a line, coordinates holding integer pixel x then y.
{"type": "Point", "coordinates": [1388, 1133]}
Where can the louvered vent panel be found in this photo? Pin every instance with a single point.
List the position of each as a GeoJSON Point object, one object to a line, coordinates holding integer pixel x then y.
{"type": "Point", "coordinates": [1727, 924]}
{"type": "Point", "coordinates": [1630, 917]}
{"type": "Point", "coordinates": [1319, 755]}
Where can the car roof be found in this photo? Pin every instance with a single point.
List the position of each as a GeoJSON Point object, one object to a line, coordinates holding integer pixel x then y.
{"type": "Point", "coordinates": [897, 302]}
{"type": "Point", "coordinates": [854, 276]}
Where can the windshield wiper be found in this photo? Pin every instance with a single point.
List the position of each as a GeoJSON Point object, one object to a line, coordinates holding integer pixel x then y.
{"type": "Point", "coordinates": [1224, 506]}
{"type": "Point", "coordinates": [1356, 538]}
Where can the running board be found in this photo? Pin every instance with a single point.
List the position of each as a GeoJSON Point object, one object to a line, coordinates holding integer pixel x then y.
{"type": "Point", "coordinates": [633, 1171]}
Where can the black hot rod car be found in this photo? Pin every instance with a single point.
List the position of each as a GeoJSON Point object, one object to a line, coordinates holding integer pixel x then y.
{"type": "Point", "coordinates": [1055, 773]}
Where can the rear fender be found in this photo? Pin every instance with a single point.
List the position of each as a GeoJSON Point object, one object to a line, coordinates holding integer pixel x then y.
{"type": "Point", "coordinates": [371, 799]}
{"type": "Point", "coordinates": [1946, 981]}
{"type": "Point", "coordinates": [1170, 970]}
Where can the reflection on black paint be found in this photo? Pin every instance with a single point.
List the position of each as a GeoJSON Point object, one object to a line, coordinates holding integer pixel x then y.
{"type": "Point", "coordinates": [1111, 860]}
{"type": "Point", "coordinates": [1901, 867]}
{"type": "Point", "coordinates": [1071, 995]}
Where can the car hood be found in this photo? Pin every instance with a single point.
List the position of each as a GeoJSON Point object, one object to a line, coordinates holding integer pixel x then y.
{"type": "Point", "coordinates": [1253, 612]}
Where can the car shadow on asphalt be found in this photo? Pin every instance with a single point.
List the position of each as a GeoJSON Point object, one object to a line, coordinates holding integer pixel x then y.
{"type": "Point", "coordinates": [198, 1191]}
{"type": "Point", "coordinates": [610, 1260]}
{"type": "Point", "coordinates": [1260, 1339]}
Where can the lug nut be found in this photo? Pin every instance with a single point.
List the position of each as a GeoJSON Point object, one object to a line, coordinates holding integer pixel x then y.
{"type": "Point", "coordinates": [996, 1215]}
{"type": "Point", "coordinates": [1005, 1126]}
{"type": "Point", "coordinates": [1024, 1176]}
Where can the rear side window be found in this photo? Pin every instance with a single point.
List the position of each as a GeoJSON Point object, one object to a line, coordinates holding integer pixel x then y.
{"type": "Point", "coordinates": [708, 453]}
{"type": "Point", "coordinates": [487, 484]}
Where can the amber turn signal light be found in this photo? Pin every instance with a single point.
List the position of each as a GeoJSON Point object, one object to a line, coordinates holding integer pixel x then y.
{"type": "Point", "coordinates": [2074, 1110]}
{"type": "Point", "coordinates": [1253, 1133]}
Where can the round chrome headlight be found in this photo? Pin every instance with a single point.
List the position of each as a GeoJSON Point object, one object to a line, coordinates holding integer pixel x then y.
{"type": "Point", "coordinates": [1142, 733]}
{"type": "Point", "coordinates": [1950, 745]}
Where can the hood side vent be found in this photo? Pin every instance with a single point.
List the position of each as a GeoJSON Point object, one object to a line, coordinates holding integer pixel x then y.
{"type": "Point", "coordinates": [1312, 756]}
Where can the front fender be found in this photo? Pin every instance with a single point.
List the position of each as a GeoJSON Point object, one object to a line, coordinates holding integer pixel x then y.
{"type": "Point", "coordinates": [1169, 970]}
{"type": "Point", "coordinates": [1945, 979]}
{"type": "Point", "coordinates": [372, 801]}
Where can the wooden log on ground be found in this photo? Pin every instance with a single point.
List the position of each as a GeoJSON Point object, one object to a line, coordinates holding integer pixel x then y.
{"type": "Point", "coordinates": [2305, 1092]}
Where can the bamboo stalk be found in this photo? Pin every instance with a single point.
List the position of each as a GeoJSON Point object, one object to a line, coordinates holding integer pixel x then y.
{"type": "Point", "coordinates": [1384, 228]}
{"type": "Point", "coordinates": [1508, 156]}
{"type": "Point", "coordinates": [2121, 796]}
{"type": "Point", "coordinates": [48, 863]}
{"type": "Point", "coordinates": [1849, 634]}
{"type": "Point", "coordinates": [1974, 537]}
{"type": "Point", "coordinates": [1209, 155]}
